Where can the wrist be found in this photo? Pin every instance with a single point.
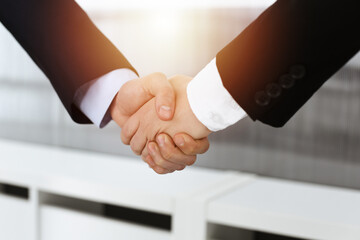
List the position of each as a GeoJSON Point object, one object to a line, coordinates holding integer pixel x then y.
{"type": "Point", "coordinates": [112, 109]}
{"type": "Point", "coordinates": [210, 101]}
{"type": "Point", "coordinates": [201, 129]}
{"type": "Point", "coordinates": [184, 116]}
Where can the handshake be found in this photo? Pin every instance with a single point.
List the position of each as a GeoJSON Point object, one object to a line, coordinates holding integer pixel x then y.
{"type": "Point", "coordinates": [156, 120]}
{"type": "Point", "coordinates": [267, 72]}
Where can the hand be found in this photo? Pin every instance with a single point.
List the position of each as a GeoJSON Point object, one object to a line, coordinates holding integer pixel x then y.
{"type": "Point", "coordinates": [144, 125]}
{"type": "Point", "coordinates": [174, 154]}
{"type": "Point", "coordinates": [135, 93]}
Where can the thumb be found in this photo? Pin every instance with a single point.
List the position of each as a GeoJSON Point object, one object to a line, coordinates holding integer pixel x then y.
{"type": "Point", "coordinates": [158, 85]}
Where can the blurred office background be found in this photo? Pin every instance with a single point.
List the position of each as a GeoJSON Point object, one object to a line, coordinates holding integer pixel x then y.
{"type": "Point", "coordinates": [320, 144]}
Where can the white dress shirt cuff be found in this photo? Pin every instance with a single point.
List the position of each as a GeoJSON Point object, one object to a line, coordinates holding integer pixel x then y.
{"type": "Point", "coordinates": [94, 98]}
{"type": "Point", "coordinates": [209, 100]}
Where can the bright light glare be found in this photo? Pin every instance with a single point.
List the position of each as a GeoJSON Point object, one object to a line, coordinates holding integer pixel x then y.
{"type": "Point", "coordinates": [111, 5]}
{"type": "Point", "coordinates": [166, 22]}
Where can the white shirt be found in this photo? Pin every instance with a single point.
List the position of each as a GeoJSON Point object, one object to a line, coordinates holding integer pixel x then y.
{"type": "Point", "coordinates": [209, 100]}
{"type": "Point", "coordinates": [94, 98]}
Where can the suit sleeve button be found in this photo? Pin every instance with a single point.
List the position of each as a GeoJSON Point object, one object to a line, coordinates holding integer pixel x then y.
{"type": "Point", "coordinates": [286, 81]}
{"type": "Point", "coordinates": [262, 99]}
{"type": "Point", "coordinates": [273, 90]}
{"type": "Point", "coordinates": [297, 71]}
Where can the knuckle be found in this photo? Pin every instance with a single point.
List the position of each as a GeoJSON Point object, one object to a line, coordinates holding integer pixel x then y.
{"type": "Point", "coordinates": [124, 139]}
{"type": "Point", "coordinates": [180, 168]}
{"type": "Point", "coordinates": [191, 161]}
{"type": "Point", "coordinates": [167, 154]}
{"type": "Point", "coordinates": [178, 76]}
{"type": "Point", "coordinates": [160, 162]}
{"type": "Point", "coordinates": [167, 93]}
{"type": "Point", "coordinates": [135, 148]}
{"type": "Point", "coordinates": [158, 75]}
{"type": "Point", "coordinates": [144, 155]}
{"type": "Point", "coordinates": [190, 149]}
{"type": "Point", "coordinates": [127, 131]}
{"type": "Point", "coordinates": [206, 147]}
{"type": "Point", "coordinates": [139, 91]}
{"type": "Point", "coordinates": [160, 170]}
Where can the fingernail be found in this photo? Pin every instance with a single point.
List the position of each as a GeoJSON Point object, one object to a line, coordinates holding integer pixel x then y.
{"type": "Point", "coordinates": [161, 140]}
{"type": "Point", "coordinates": [166, 108]}
{"type": "Point", "coordinates": [180, 141]}
{"type": "Point", "coordinates": [165, 111]}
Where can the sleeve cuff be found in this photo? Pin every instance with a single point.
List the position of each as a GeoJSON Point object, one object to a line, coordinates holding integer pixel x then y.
{"type": "Point", "coordinates": [209, 100]}
{"type": "Point", "coordinates": [94, 98]}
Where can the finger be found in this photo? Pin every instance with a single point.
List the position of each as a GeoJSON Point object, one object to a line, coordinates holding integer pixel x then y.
{"type": "Point", "coordinates": [158, 169]}
{"type": "Point", "coordinates": [138, 142]}
{"type": "Point", "coordinates": [129, 129]}
{"type": "Point", "coordinates": [145, 152]}
{"type": "Point", "coordinates": [170, 152]}
{"type": "Point", "coordinates": [158, 85]}
{"type": "Point", "coordinates": [147, 160]}
{"type": "Point", "coordinates": [160, 161]}
{"type": "Point", "coordinates": [190, 146]}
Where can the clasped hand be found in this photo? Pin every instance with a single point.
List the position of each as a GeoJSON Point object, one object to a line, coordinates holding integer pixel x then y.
{"type": "Point", "coordinates": [156, 120]}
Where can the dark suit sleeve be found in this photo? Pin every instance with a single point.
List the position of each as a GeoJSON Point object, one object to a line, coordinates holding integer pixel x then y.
{"type": "Point", "coordinates": [280, 60]}
{"type": "Point", "coordinates": [64, 43]}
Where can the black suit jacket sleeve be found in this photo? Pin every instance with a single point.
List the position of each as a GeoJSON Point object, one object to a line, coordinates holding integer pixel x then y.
{"type": "Point", "coordinates": [64, 43]}
{"type": "Point", "coordinates": [280, 60]}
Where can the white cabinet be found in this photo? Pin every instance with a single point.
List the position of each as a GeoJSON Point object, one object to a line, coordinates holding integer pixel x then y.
{"type": "Point", "coordinates": [68, 190]}
{"type": "Point", "coordinates": [57, 223]}
{"type": "Point", "coordinates": [288, 208]}
{"type": "Point", "coordinates": [15, 218]}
